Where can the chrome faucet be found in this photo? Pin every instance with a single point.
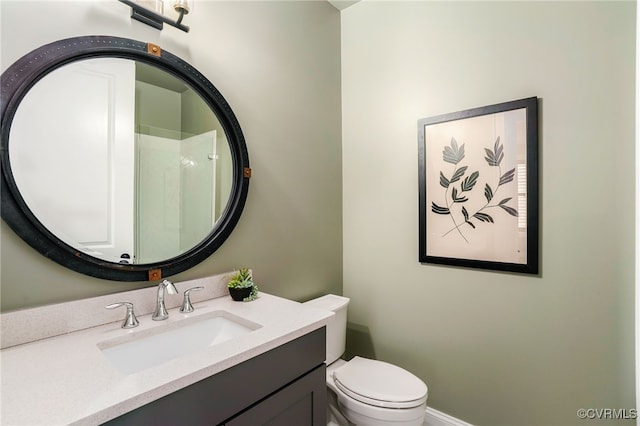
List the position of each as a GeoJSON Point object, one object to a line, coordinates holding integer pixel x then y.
{"type": "Point", "coordinates": [130, 320]}
{"type": "Point", "coordinates": [186, 302]}
{"type": "Point", "coordinates": [161, 312]}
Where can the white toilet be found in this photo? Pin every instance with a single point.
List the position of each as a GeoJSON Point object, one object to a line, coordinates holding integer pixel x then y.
{"type": "Point", "coordinates": [364, 391]}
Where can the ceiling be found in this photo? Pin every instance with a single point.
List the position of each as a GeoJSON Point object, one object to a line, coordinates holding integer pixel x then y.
{"type": "Point", "coordinates": [342, 4]}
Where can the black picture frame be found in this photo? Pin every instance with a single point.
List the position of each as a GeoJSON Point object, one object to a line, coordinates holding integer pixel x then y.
{"type": "Point", "coordinates": [478, 188]}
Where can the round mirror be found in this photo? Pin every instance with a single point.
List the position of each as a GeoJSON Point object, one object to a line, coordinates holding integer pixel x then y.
{"type": "Point", "coordinates": [119, 160]}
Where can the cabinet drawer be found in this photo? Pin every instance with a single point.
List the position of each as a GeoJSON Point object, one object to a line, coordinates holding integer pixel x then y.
{"type": "Point", "coordinates": [302, 403]}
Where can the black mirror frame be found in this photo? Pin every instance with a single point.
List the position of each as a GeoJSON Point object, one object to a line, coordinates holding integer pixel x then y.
{"type": "Point", "coordinates": [18, 79]}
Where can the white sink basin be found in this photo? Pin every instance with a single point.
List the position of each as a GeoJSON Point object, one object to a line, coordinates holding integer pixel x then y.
{"type": "Point", "coordinates": [138, 351]}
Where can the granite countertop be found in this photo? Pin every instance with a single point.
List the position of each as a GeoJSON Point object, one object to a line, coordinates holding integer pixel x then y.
{"type": "Point", "coordinates": [66, 379]}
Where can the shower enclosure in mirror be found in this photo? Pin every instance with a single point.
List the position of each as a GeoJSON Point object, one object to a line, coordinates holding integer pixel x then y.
{"type": "Point", "coordinates": [133, 177]}
{"type": "Point", "coordinates": [117, 162]}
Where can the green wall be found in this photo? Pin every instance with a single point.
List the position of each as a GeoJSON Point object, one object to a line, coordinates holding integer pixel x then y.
{"type": "Point", "coordinates": [496, 348]}
{"type": "Point", "coordinates": [278, 66]}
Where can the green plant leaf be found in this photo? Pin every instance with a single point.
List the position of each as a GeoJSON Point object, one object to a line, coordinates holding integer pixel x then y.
{"type": "Point", "coordinates": [458, 174]}
{"type": "Point", "coordinates": [507, 177]}
{"type": "Point", "coordinates": [510, 210]}
{"type": "Point", "coordinates": [253, 295]}
{"type": "Point", "coordinates": [443, 181]}
{"type": "Point", "coordinates": [470, 181]}
{"type": "Point", "coordinates": [439, 210]}
{"type": "Point", "coordinates": [488, 192]}
{"type": "Point", "coordinates": [452, 153]}
{"type": "Point", "coordinates": [483, 217]}
{"type": "Point", "coordinates": [241, 279]}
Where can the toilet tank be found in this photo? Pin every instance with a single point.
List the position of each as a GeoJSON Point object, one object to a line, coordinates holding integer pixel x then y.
{"type": "Point", "coordinates": [337, 326]}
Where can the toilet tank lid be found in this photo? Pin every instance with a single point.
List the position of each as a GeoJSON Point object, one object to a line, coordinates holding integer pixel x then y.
{"type": "Point", "coordinates": [380, 383]}
{"type": "Point", "coordinates": [329, 302]}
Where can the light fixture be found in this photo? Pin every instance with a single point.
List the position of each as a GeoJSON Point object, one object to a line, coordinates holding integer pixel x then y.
{"type": "Point", "coordinates": [155, 19]}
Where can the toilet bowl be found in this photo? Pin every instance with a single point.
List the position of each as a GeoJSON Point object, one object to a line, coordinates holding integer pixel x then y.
{"type": "Point", "coordinates": [364, 391]}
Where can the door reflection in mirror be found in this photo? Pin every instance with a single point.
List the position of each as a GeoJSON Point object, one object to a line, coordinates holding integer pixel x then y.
{"type": "Point", "coordinates": [115, 156]}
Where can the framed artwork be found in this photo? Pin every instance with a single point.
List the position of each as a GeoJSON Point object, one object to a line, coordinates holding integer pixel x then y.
{"type": "Point", "coordinates": [478, 187]}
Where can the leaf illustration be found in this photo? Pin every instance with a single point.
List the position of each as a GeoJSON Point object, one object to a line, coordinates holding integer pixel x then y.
{"type": "Point", "coordinates": [439, 210]}
{"type": "Point", "coordinates": [470, 181]}
{"type": "Point", "coordinates": [458, 174]}
{"type": "Point", "coordinates": [443, 181]}
{"type": "Point", "coordinates": [465, 213]}
{"type": "Point", "coordinates": [497, 149]}
{"type": "Point", "coordinates": [505, 201]}
{"type": "Point", "coordinates": [453, 154]}
{"type": "Point", "coordinates": [488, 192]}
{"type": "Point", "coordinates": [483, 217]}
{"type": "Point", "coordinates": [490, 157]}
{"type": "Point", "coordinates": [510, 210]}
{"type": "Point", "coordinates": [455, 198]}
{"type": "Point", "coordinates": [507, 177]}
{"type": "Point", "coordinates": [494, 158]}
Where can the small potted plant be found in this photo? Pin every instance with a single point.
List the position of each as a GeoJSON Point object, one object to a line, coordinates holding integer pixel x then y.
{"type": "Point", "coordinates": [241, 286]}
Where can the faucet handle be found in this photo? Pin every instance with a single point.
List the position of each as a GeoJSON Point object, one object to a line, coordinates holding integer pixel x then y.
{"type": "Point", "coordinates": [130, 321]}
{"type": "Point", "coordinates": [186, 302]}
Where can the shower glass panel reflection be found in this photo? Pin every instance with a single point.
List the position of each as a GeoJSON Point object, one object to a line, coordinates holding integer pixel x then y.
{"type": "Point", "coordinates": [183, 167]}
{"type": "Point", "coordinates": [175, 186]}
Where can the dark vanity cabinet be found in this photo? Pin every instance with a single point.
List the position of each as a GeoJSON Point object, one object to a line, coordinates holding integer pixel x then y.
{"type": "Point", "coordinates": [283, 387]}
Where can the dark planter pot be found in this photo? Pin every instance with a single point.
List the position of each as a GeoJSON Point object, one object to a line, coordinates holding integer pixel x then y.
{"type": "Point", "coordinates": [239, 294]}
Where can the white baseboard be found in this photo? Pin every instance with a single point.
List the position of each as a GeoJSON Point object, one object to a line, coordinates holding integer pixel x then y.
{"type": "Point", "coordinates": [434, 417]}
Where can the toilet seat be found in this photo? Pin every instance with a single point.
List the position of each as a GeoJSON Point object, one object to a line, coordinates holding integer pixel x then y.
{"type": "Point", "coordinates": [380, 384]}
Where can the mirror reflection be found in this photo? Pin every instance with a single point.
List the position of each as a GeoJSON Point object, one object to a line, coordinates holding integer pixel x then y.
{"type": "Point", "coordinates": [120, 160]}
